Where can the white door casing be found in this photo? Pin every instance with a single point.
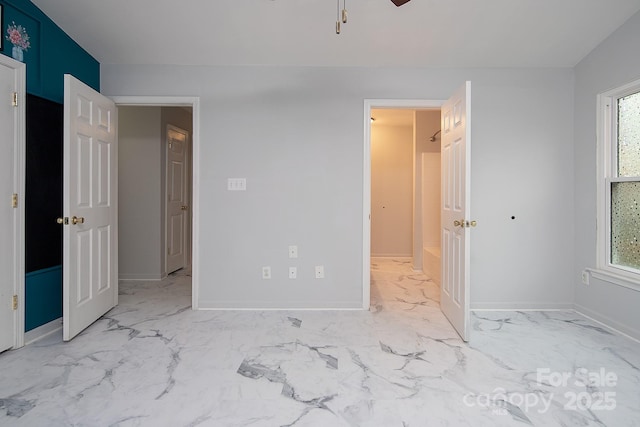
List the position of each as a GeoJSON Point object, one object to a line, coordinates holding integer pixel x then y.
{"type": "Point", "coordinates": [177, 213]}
{"type": "Point", "coordinates": [455, 208]}
{"type": "Point", "coordinates": [12, 173]}
{"type": "Point", "coordinates": [90, 245]}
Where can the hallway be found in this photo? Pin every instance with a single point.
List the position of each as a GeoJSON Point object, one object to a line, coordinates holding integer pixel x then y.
{"type": "Point", "coordinates": [152, 361]}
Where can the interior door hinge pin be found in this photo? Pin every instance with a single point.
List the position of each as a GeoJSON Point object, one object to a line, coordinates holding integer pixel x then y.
{"type": "Point", "coordinates": [14, 302]}
{"type": "Point", "coordinates": [15, 99]}
{"type": "Point", "coordinates": [14, 200]}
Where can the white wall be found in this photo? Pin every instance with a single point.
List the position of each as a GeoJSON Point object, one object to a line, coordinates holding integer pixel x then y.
{"type": "Point", "coordinates": [612, 64]}
{"type": "Point", "coordinates": [391, 191]}
{"type": "Point", "coordinates": [296, 134]}
{"type": "Point", "coordinates": [139, 193]}
{"type": "Point", "coordinates": [427, 221]}
{"type": "Point", "coordinates": [431, 209]}
{"type": "Point", "coordinates": [431, 200]}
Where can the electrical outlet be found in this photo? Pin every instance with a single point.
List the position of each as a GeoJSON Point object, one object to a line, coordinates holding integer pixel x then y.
{"type": "Point", "coordinates": [266, 272]}
{"type": "Point", "coordinates": [293, 272]}
{"type": "Point", "coordinates": [237, 184]}
{"type": "Point", "coordinates": [319, 271]}
{"type": "Point", "coordinates": [585, 277]}
{"type": "Point", "coordinates": [293, 251]}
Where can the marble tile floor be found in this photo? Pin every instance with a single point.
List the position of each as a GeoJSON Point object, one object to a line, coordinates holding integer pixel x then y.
{"type": "Point", "coordinates": [152, 361]}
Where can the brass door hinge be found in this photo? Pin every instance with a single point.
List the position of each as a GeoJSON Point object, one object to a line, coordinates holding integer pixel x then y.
{"type": "Point", "coordinates": [14, 302]}
{"type": "Point", "coordinates": [14, 200]}
{"type": "Point", "coordinates": [15, 99]}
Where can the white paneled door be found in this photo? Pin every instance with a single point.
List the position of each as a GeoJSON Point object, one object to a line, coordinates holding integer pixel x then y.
{"type": "Point", "coordinates": [11, 198]}
{"type": "Point", "coordinates": [455, 221]}
{"type": "Point", "coordinates": [177, 198]}
{"type": "Point", "coordinates": [90, 246]}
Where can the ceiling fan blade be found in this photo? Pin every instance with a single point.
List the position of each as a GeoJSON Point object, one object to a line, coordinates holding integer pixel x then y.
{"type": "Point", "coordinates": [399, 2]}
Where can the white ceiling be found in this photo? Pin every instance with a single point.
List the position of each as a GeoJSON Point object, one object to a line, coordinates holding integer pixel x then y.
{"type": "Point", "coordinates": [422, 33]}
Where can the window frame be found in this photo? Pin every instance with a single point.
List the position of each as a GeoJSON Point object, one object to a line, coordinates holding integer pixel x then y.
{"type": "Point", "coordinates": [607, 143]}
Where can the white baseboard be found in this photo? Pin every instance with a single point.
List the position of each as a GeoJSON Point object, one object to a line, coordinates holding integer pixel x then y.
{"type": "Point", "coordinates": [43, 331]}
{"type": "Point", "coordinates": [607, 322]}
{"type": "Point", "coordinates": [142, 277]}
{"type": "Point", "coordinates": [519, 306]}
{"type": "Point", "coordinates": [292, 306]}
{"type": "Point", "coordinates": [280, 309]}
{"type": "Point", "coordinates": [392, 256]}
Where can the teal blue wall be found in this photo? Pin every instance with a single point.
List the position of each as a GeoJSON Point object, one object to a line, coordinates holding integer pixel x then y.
{"type": "Point", "coordinates": [51, 55]}
{"type": "Point", "coordinates": [43, 294]}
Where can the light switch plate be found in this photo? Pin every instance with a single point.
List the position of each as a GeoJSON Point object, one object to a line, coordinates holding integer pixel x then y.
{"type": "Point", "coordinates": [319, 271]}
{"type": "Point", "coordinates": [293, 273]}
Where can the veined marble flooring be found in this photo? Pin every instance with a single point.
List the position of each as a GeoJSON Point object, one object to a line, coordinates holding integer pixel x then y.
{"type": "Point", "coordinates": [152, 361]}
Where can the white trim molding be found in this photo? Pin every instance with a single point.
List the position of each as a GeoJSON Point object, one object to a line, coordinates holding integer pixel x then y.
{"type": "Point", "coordinates": [43, 331]}
{"type": "Point", "coordinates": [292, 306]}
{"type": "Point", "coordinates": [616, 279]}
{"type": "Point", "coordinates": [142, 277]}
{"type": "Point", "coordinates": [606, 133]}
{"type": "Point", "coordinates": [520, 306]}
{"type": "Point", "coordinates": [19, 179]}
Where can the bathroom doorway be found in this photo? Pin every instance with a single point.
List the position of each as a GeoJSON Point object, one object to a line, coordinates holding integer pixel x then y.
{"type": "Point", "coordinates": [405, 187]}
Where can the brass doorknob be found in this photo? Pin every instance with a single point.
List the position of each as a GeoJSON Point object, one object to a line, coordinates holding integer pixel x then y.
{"type": "Point", "coordinates": [64, 220]}
{"type": "Point", "coordinates": [184, 208]}
{"type": "Point", "coordinates": [462, 223]}
{"type": "Point", "coordinates": [77, 220]}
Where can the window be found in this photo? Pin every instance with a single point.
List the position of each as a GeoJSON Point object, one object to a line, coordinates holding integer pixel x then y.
{"type": "Point", "coordinates": [619, 185]}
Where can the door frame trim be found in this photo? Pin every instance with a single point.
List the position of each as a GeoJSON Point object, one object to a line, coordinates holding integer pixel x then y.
{"type": "Point", "coordinates": [194, 103]}
{"type": "Point", "coordinates": [369, 104]}
{"type": "Point", "coordinates": [19, 179]}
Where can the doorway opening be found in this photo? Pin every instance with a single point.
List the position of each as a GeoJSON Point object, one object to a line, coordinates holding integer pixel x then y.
{"type": "Point", "coordinates": [405, 187]}
{"type": "Point", "coordinates": [455, 202]}
{"type": "Point", "coordinates": [190, 104]}
{"type": "Point", "coordinates": [175, 122]}
{"type": "Point", "coordinates": [405, 203]}
{"type": "Point", "coordinates": [154, 197]}
{"type": "Point", "coordinates": [401, 201]}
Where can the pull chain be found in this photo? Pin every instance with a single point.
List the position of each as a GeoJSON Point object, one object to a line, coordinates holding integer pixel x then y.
{"type": "Point", "coordinates": [344, 11]}
{"type": "Point", "coordinates": [341, 15]}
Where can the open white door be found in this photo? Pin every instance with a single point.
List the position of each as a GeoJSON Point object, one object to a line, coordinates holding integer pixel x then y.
{"type": "Point", "coordinates": [11, 200]}
{"type": "Point", "coordinates": [177, 215]}
{"type": "Point", "coordinates": [455, 221]}
{"type": "Point", "coordinates": [90, 246]}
